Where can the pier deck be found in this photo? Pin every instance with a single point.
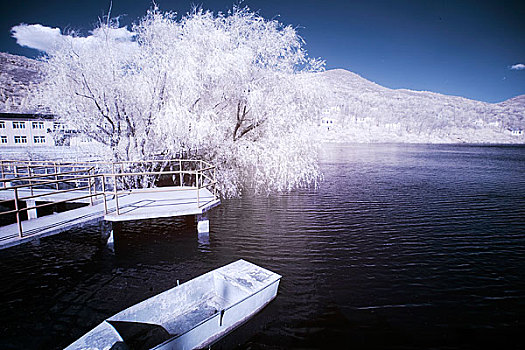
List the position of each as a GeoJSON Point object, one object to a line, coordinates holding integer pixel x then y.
{"type": "Point", "coordinates": [177, 201]}
{"type": "Point", "coordinates": [135, 205]}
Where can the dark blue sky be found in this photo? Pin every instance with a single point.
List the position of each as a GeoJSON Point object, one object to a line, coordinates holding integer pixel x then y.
{"type": "Point", "coordinates": [458, 47]}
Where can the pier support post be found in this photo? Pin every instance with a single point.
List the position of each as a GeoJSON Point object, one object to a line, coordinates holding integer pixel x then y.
{"type": "Point", "coordinates": [203, 230]}
{"type": "Point", "coordinates": [203, 224]}
{"type": "Point", "coordinates": [111, 242]}
{"type": "Point", "coordinates": [106, 227]}
{"type": "Point", "coordinates": [31, 213]}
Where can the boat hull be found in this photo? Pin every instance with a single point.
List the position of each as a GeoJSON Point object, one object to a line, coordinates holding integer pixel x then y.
{"type": "Point", "coordinates": [191, 315]}
{"type": "Point", "coordinates": [222, 323]}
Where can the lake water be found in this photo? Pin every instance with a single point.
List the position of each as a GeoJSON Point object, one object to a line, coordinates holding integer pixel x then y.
{"type": "Point", "coordinates": [401, 246]}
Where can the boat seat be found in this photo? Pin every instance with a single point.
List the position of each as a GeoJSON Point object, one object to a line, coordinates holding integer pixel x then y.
{"type": "Point", "coordinates": [138, 336]}
{"type": "Point", "coordinates": [188, 320]}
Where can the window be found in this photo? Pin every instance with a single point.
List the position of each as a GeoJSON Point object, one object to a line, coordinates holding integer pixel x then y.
{"type": "Point", "coordinates": [2, 125]}
{"type": "Point", "coordinates": [39, 139]}
{"type": "Point", "coordinates": [20, 139]}
{"type": "Point", "coordinates": [19, 125]}
{"type": "Point", "coordinates": [3, 139]}
{"type": "Point", "coordinates": [38, 125]}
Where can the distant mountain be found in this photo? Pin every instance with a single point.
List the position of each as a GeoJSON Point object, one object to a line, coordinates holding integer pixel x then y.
{"type": "Point", "coordinates": [17, 75]}
{"type": "Point", "coordinates": [364, 111]}
{"type": "Point", "coordinates": [515, 102]}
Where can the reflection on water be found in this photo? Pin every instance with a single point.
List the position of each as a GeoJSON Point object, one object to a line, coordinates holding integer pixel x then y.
{"type": "Point", "coordinates": [400, 247]}
{"type": "Point", "coordinates": [204, 241]}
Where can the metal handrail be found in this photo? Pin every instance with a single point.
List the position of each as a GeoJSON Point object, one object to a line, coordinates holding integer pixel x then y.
{"type": "Point", "coordinates": [203, 172]}
{"type": "Point", "coordinates": [42, 176]}
{"type": "Point", "coordinates": [196, 172]}
{"type": "Point", "coordinates": [40, 162]}
{"type": "Point", "coordinates": [48, 182]}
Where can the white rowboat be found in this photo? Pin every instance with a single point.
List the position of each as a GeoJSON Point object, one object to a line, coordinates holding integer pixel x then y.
{"type": "Point", "coordinates": [189, 316]}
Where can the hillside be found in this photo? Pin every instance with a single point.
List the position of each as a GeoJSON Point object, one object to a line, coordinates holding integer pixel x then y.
{"type": "Point", "coordinates": [367, 112]}
{"type": "Point", "coordinates": [517, 102]}
{"type": "Point", "coordinates": [17, 74]}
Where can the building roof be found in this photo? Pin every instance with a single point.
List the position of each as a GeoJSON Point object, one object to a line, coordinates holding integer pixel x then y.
{"type": "Point", "coordinates": [32, 116]}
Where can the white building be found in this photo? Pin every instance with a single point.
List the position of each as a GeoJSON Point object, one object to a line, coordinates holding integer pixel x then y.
{"type": "Point", "coordinates": [36, 130]}
{"type": "Point", "coordinates": [21, 130]}
{"type": "Point", "coordinates": [327, 123]}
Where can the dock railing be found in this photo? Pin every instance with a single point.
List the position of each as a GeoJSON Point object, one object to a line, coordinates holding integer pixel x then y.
{"type": "Point", "coordinates": [55, 182]}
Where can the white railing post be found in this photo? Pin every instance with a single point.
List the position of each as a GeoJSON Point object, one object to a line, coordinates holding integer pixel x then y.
{"type": "Point", "coordinates": [2, 172]}
{"type": "Point", "coordinates": [30, 180]}
{"type": "Point", "coordinates": [94, 180]}
{"type": "Point", "coordinates": [90, 193]}
{"type": "Point", "coordinates": [115, 193]}
{"type": "Point", "coordinates": [18, 220]}
{"type": "Point", "coordinates": [181, 176]}
{"type": "Point", "coordinates": [214, 183]}
{"type": "Point", "coordinates": [198, 188]}
{"type": "Point", "coordinates": [56, 174]}
{"type": "Point", "coordinates": [104, 193]}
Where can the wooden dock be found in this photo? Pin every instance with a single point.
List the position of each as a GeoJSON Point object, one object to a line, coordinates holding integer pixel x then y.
{"type": "Point", "coordinates": [192, 193]}
{"type": "Point", "coordinates": [177, 201]}
{"type": "Point", "coordinates": [50, 225]}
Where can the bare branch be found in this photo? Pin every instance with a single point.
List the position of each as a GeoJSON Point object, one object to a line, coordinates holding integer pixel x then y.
{"type": "Point", "coordinates": [251, 127]}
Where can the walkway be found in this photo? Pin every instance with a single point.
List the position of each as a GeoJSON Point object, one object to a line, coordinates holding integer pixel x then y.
{"type": "Point", "coordinates": [192, 192]}
{"type": "Point", "coordinates": [51, 225]}
{"type": "Point", "coordinates": [138, 205]}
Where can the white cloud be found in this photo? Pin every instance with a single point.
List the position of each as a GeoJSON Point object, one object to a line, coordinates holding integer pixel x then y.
{"type": "Point", "coordinates": [518, 66]}
{"type": "Point", "coordinates": [47, 39]}
{"type": "Point", "coordinates": [36, 36]}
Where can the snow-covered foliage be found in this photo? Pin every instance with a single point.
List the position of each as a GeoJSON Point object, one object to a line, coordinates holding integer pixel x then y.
{"type": "Point", "coordinates": [366, 112]}
{"type": "Point", "coordinates": [231, 89]}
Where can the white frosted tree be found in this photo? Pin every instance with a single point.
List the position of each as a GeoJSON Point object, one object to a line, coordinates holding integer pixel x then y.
{"type": "Point", "coordinates": [233, 89]}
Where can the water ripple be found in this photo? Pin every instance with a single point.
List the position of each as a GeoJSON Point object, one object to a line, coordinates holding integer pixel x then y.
{"type": "Point", "coordinates": [401, 246]}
